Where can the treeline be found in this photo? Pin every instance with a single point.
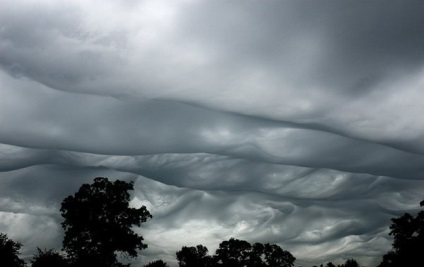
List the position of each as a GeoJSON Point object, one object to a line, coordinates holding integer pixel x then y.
{"type": "Point", "coordinates": [98, 225]}
{"type": "Point", "coordinates": [231, 253]}
{"type": "Point", "coordinates": [236, 253]}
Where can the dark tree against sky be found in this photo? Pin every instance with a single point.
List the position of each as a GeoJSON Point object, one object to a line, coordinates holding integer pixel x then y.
{"type": "Point", "coordinates": [193, 256]}
{"type": "Point", "coordinates": [234, 253]}
{"type": "Point", "coordinates": [9, 252]}
{"type": "Point", "coordinates": [277, 257]}
{"type": "Point", "coordinates": [408, 243]}
{"type": "Point", "coordinates": [347, 263]}
{"type": "Point", "coordinates": [98, 221]}
{"type": "Point", "coordinates": [157, 263]}
{"type": "Point", "coordinates": [48, 258]}
{"type": "Point", "coordinates": [350, 263]}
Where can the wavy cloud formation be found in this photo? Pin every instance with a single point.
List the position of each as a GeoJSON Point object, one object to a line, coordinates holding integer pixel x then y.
{"type": "Point", "coordinates": [291, 122]}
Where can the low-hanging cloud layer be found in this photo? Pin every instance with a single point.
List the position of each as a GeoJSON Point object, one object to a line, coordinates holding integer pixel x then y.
{"type": "Point", "coordinates": [289, 122]}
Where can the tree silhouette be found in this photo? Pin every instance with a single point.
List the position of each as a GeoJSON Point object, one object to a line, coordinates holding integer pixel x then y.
{"type": "Point", "coordinates": [256, 256]}
{"type": "Point", "coordinates": [350, 263]}
{"type": "Point", "coordinates": [98, 223]}
{"type": "Point", "coordinates": [158, 263]}
{"type": "Point", "coordinates": [233, 253]}
{"type": "Point", "coordinates": [9, 252]}
{"type": "Point", "coordinates": [48, 258]}
{"type": "Point", "coordinates": [236, 253]}
{"type": "Point", "coordinates": [193, 256]}
{"type": "Point", "coordinates": [408, 244]}
{"type": "Point", "coordinates": [275, 256]}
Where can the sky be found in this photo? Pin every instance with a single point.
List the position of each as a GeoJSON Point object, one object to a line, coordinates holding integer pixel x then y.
{"type": "Point", "coordinates": [297, 123]}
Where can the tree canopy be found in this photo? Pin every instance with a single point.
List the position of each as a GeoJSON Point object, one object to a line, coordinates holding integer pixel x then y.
{"type": "Point", "coordinates": [9, 252]}
{"type": "Point", "coordinates": [236, 253]}
{"type": "Point", "coordinates": [157, 263]}
{"type": "Point", "coordinates": [193, 256]}
{"type": "Point", "coordinates": [98, 221]}
{"type": "Point", "coordinates": [408, 244]}
{"type": "Point", "coordinates": [233, 252]}
{"type": "Point", "coordinates": [48, 258]}
{"type": "Point", "coordinates": [350, 263]}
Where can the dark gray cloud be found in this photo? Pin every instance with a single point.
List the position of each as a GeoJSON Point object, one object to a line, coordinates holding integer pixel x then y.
{"type": "Point", "coordinates": [293, 122]}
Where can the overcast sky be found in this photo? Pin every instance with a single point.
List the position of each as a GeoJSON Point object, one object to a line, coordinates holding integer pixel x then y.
{"type": "Point", "coordinates": [298, 123]}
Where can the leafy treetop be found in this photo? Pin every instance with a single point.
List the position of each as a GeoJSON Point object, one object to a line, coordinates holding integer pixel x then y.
{"type": "Point", "coordinates": [98, 221]}
{"type": "Point", "coordinates": [9, 252]}
{"type": "Point", "coordinates": [408, 244]}
{"type": "Point", "coordinates": [236, 253]}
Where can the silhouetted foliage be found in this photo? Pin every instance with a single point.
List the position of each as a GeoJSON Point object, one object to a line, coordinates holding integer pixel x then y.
{"type": "Point", "coordinates": [48, 258]}
{"type": "Point", "coordinates": [256, 255]}
{"type": "Point", "coordinates": [158, 263]}
{"type": "Point", "coordinates": [193, 256]}
{"type": "Point", "coordinates": [9, 252]}
{"type": "Point", "coordinates": [236, 253]}
{"type": "Point", "coordinates": [233, 253]}
{"type": "Point", "coordinates": [408, 244]}
{"type": "Point", "coordinates": [98, 223]}
{"type": "Point", "coordinates": [275, 256]}
{"type": "Point", "coordinates": [350, 263]}
{"type": "Point", "coordinates": [330, 264]}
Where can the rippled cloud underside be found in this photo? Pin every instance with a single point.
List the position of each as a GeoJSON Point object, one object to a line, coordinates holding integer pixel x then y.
{"type": "Point", "coordinates": [290, 122]}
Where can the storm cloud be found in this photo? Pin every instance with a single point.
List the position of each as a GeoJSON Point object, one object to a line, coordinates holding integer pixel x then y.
{"type": "Point", "coordinates": [290, 122]}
